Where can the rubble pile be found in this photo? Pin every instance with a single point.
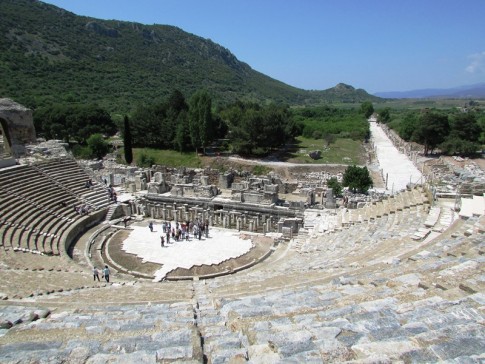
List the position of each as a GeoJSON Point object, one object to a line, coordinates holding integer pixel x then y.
{"type": "Point", "coordinates": [450, 180]}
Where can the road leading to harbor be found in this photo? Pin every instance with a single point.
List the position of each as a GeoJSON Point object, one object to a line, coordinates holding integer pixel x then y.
{"type": "Point", "coordinates": [394, 164]}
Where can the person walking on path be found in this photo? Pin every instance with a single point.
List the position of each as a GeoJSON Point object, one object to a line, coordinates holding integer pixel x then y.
{"type": "Point", "coordinates": [106, 273]}
{"type": "Point", "coordinates": [150, 226]}
{"type": "Point", "coordinates": [162, 240]}
{"type": "Point", "coordinates": [96, 274]}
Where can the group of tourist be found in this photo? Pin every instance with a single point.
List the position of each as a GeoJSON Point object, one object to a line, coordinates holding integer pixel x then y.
{"type": "Point", "coordinates": [181, 231]}
{"type": "Point", "coordinates": [89, 184]}
{"type": "Point", "coordinates": [82, 209]}
{"type": "Point", "coordinates": [104, 272]}
{"type": "Point", "coordinates": [111, 191]}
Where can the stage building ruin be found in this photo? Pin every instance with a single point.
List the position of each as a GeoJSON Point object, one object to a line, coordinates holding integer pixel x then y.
{"type": "Point", "coordinates": [226, 200]}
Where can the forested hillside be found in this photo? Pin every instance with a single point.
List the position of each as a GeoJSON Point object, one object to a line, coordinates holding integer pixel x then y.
{"type": "Point", "coordinates": [50, 56]}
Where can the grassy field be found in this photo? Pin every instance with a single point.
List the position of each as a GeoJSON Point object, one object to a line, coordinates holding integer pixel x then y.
{"type": "Point", "coordinates": [342, 151]}
{"type": "Point", "coordinates": [169, 158]}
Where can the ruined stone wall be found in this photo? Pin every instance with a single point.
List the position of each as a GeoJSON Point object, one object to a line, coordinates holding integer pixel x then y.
{"type": "Point", "coordinates": [17, 125]}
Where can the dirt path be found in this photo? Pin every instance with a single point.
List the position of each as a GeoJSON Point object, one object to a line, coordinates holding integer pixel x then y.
{"type": "Point", "coordinates": [287, 170]}
{"type": "Point", "coordinates": [283, 164]}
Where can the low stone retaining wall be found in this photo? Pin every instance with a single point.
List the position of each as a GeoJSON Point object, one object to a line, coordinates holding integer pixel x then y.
{"type": "Point", "coordinates": [80, 227]}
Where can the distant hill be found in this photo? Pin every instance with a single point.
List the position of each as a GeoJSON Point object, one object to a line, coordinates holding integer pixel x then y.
{"type": "Point", "coordinates": [49, 55]}
{"type": "Point", "coordinates": [476, 91]}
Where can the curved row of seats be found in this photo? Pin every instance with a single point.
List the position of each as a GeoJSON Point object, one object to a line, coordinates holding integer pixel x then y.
{"type": "Point", "coordinates": [425, 307]}
{"type": "Point", "coordinates": [37, 203]}
{"type": "Point", "coordinates": [382, 239]}
{"type": "Point", "coordinates": [366, 292]}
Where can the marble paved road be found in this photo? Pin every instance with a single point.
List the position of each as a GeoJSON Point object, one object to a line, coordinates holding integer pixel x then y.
{"type": "Point", "coordinates": [399, 169]}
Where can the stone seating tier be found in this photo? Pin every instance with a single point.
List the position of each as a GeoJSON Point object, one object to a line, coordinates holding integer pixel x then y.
{"type": "Point", "coordinates": [49, 204]}
{"type": "Point", "coordinates": [408, 309]}
{"type": "Point", "coordinates": [29, 216]}
{"type": "Point", "coordinates": [31, 204]}
{"type": "Point", "coordinates": [69, 175]}
{"type": "Point", "coordinates": [363, 292]}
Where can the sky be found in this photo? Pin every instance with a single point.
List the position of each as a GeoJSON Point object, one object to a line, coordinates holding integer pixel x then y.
{"type": "Point", "coordinates": [377, 45]}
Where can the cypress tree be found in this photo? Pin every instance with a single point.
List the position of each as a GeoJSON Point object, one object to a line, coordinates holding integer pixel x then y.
{"type": "Point", "coordinates": [127, 141]}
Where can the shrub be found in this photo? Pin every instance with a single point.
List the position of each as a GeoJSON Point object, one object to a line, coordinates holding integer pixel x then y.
{"type": "Point", "coordinates": [357, 179]}
{"type": "Point", "coordinates": [98, 146]}
{"type": "Point", "coordinates": [81, 152]}
{"type": "Point", "coordinates": [335, 185]}
{"type": "Point", "coordinates": [145, 160]}
{"type": "Point", "coordinates": [260, 170]}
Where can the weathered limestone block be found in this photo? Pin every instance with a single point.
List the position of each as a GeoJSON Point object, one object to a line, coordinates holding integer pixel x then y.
{"type": "Point", "coordinates": [240, 186]}
{"type": "Point", "coordinates": [18, 127]}
{"type": "Point", "coordinates": [330, 202]}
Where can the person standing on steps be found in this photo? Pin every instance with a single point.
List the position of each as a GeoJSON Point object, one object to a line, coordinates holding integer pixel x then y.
{"type": "Point", "coordinates": [96, 274]}
{"type": "Point", "coordinates": [106, 273]}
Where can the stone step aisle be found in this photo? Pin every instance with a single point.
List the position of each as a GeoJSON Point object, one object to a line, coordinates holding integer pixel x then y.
{"type": "Point", "coordinates": [220, 343]}
{"type": "Point", "coordinates": [109, 214]}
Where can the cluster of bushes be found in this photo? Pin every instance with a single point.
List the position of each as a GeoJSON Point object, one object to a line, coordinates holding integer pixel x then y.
{"type": "Point", "coordinates": [256, 130]}
{"type": "Point", "coordinates": [73, 122]}
{"type": "Point", "coordinates": [84, 126]}
{"type": "Point", "coordinates": [453, 132]}
{"type": "Point", "coordinates": [322, 122]}
{"type": "Point", "coordinates": [177, 124]}
{"type": "Point", "coordinates": [357, 179]}
{"type": "Point", "coordinates": [180, 125]}
{"type": "Point", "coordinates": [173, 123]}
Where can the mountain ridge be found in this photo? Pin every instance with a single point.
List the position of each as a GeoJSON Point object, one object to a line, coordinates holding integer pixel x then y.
{"type": "Point", "coordinates": [49, 55]}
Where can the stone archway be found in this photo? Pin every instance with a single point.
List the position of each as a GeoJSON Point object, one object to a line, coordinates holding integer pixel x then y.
{"type": "Point", "coordinates": [16, 128]}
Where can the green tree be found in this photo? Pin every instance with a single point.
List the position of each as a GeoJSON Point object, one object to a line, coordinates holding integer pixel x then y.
{"type": "Point", "coordinates": [147, 126]}
{"type": "Point", "coordinates": [384, 115]}
{"type": "Point", "coordinates": [98, 146]}
{"type": "Point", "coordinates": [431, 130]}
{"type": "Point", "coordinates": [319, 121]}
{"type": "Point", "coordinates": [145, 160]}
{"type": "Point", "coordinates": [200, 119]}
{"type": "Point", "coordinates": [254, 129]}
{"type": "Point", "coordinates": [335, 185]}
{"type": "Point", "coordinates": [456, 146]}
{"type": "Point", "coordinates": [464, 135]}
{"type": "Point", "coordinates": [182, 141]}
{"type": "Point", "coordinates": [77, 122]}
{"type": "Point", "coordinates": [465, 126]}
{"type": "Point", "coordinates": [407, 126]}
{"type": "Point", "coordinates": [176, 101]}
{"type": "Point", "coordinates": [367, 109]}
{"type": "Point", "coordinates": [481, 123]}
{"type": "Point", "coordinates": [357, 179]}
{"type": "Point", "coordinates": [128, 149]}
{"type": "Point", "coordinates": [86, 120]}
